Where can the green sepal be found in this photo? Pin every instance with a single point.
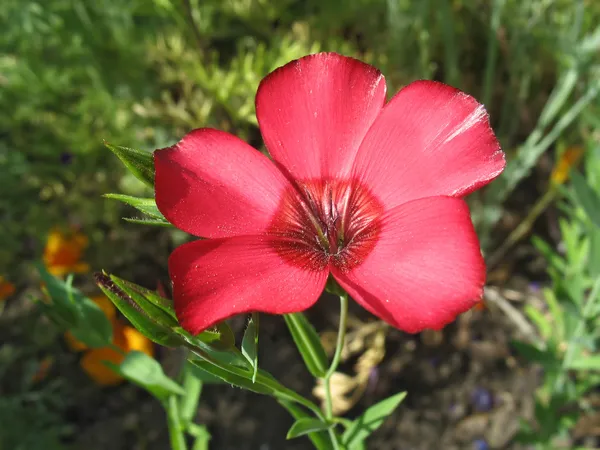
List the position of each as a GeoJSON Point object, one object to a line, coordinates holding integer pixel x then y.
{"type": "Point", "coordinates": [146, 206]}
{"type": "Point", "coordinates": [139, 163]}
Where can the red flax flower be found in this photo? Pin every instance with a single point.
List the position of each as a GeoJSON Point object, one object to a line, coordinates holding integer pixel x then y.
{"type": "Point", "coordinates": [366, 191]}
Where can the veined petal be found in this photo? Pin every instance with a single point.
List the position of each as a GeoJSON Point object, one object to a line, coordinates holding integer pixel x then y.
{"type": "Point", "coordinates": [425, 269]}
{"type": "Point", "coordinates": [314, 113]}
{"type": "Point", "coordinates": [429, 140]}
{"type": "Point", "coordinates": [215, 279]}
{"type": "Point", "coordinates": [212, 184]}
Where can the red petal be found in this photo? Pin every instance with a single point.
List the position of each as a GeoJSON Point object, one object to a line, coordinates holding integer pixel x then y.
{"type": "Point", "coordinates": [314, 113]}
{"type": "Point", "coordinates": [213, 184]}
{"type": "Point", "coordinates": [217, 278]}
{"type": "Point", "coordinates": [430, 139]}
{"type": "Point", "coordinates": [425, 269]}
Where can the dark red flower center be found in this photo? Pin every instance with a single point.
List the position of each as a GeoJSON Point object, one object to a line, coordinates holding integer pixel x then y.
{"type": "Point", "coordinates": [327, 222]}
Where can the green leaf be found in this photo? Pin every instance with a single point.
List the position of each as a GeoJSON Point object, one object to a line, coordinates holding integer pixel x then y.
{"type": "Point", "coordinates": [203, 375]}
{"type": "Point", "coordinates": [152, 296]}
{"type": "Point", "coordinates": [156, 332]}
{"type": "Point", "coordinates": [226, 338]}
{"type": "Point", "coordinates": [534, 354]}
{"type": "Point", "coordinates": [93, 328]}
{"type": "Point", "coordinates": [139, 163]}
{"type": "Point", "coordinates": [236, 379]}
{"type": "Point", "coordinates": [594, 255]}
{"type": "Point", "coordinates": [146, 206]}
{"type": "Point", "coordinates": [370, 420]}
{"type": "Point", "coordinates": [588, 199]}
{"type": "Point", "coordinates": [319, 439]}
{"type": "Point", "coordinates": [147, 373]}
{"type": "Point", "coordinates": [308, 343]}
{"type": "Point", "coordinates": [241, 377]}
{"type": "Point", "coordinates": [65, 298]}
{"type": "Point", "coordinates": [250, 344]}
{"type": "Point", "coordinates": [149, 222]}
{"type": "Point", "coordinates": [586, 363]}
{"type": "Point", "coordinates": [540, 321]}
{"type": "Point", "coordinates": [304, 426]}
{"type": "Point", "coordinates": [73, 310]}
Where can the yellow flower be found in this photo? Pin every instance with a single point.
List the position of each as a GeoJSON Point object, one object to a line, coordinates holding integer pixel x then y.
{"type": "Point", "coordinates": [569, 158]}
{"type": "Point", "coordinates": [6, 289]}
{"type": "Point", "coordinates": [63, 252]}
{"type": "Point", "coordinates": [126, 339]}
{"type": "Point", "coordinates": [109, 311]}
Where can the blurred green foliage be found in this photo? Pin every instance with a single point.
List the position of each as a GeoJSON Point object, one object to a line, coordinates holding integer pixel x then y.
{"type": "Point", "coordinates": [142, 73]}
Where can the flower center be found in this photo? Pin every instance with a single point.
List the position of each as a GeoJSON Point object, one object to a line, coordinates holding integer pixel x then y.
{"type": "Point", "coordinates": [327, 222]}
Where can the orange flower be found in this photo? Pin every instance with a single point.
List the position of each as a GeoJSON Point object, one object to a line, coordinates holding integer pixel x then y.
{"type": "Point", "coordinates": [6, 289]}
{"type": "Point", "coordinates": [63, 253]}
{"type": "Point", "coordinates": [109, 311]}
{"type": "Point", "coordinates": [569, 158]}
{"type": "Point", "coordinates": [126, 339]}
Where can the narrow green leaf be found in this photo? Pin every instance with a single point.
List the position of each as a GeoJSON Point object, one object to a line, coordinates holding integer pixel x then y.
{"type": "Point", "coordinates": [139, 163]}
{"type": "Point", "coordinates": [203, 375]}
{"type": "Point", "coordinates": [152, 296]}
{"type": "Point", "coordinates": [586, 363]}
{"type": "Point", "coordinates": [149, 222]}
{"type": "Point", "coordinates": [93, 328]}
{"type": "Point", "coordinates": [147, 373]}
{"type": "Point", "coordinates": [144, 205]}
{"type": "Point", "coordinates": [309, 345]}
{"type": "Point", "coordinates": [535, 354]}
{"type": "Point", "coordinates": [594, 256]}
{"type": "Point", "coordinates": [226, 338]}
{"type": "Point", "coordinates": [154, 312]}
{"type": "Point", "coordinates": [65, 299]}
{"type": "Point", "coordinates": [75, 311]}
{"type": "Point", "coordinates": [152, 330]}
{"type": "Point", "coordinates": [250, 344]}
{"type": "Point", "coordinates": [304, 426]}
{"type": "Point", "coordinates": [370, 420]}
{"type": "Point", "coordinates": [319, 439]}
{"type": "Point", "coordinates": [241, 377]}
{"type": "Point", "coordinates": [235, 379]}
{"type": "Point", "coordinates": [587, 197]}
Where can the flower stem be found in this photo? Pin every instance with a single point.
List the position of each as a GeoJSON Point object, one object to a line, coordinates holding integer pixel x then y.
{"type": "Point", "coordinates": [176, 429]}
{"type": "Point", "coordinates": [334, 364]}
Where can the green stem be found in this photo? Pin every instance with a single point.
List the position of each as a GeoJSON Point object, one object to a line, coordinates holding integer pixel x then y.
{"type": "Point", "coordinates": [176, 431]}
{"type": "Point", "coordinates": [334, 364]}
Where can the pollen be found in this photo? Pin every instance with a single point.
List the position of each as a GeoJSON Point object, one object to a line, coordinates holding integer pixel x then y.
{"type": "Point", "coordinates": [325, 223]}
